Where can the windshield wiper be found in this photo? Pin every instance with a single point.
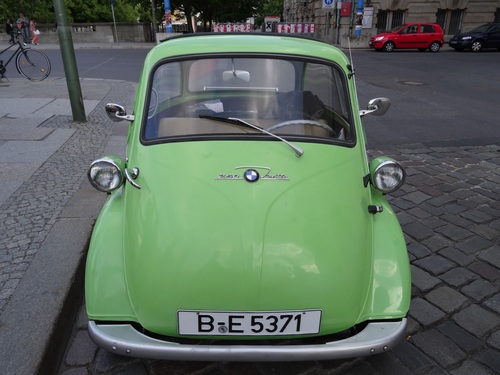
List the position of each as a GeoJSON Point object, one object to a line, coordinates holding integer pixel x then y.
{"type": "Point", "coordinates": [237, 121]}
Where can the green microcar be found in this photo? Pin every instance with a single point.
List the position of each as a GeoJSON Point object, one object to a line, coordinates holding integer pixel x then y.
{"type": "Point", "coordinates": [246, 222]}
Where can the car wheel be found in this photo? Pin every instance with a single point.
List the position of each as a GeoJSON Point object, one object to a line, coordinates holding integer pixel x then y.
{"type": "Point", "coordinates": [389, 47]}
{"type": "Point", "coordinates": [476, 46]}
{"type": "Point", "coordinates": [434, 47]}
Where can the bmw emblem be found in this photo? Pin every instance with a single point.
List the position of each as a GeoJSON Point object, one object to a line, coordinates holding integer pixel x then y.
{"type": "Point", "coordinates": [251, 175]}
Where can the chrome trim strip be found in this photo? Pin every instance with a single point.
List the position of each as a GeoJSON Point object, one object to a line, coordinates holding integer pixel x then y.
{"type": "Point", "coordinates": [132, 176]}
{"type": "Point", "coordinates": [123, 339]}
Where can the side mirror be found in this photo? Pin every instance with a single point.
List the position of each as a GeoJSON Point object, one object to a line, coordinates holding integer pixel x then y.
{"type": "Point", "coordinates": [117, 113]}
{"type": "Point", "coordinates": [377, 107]}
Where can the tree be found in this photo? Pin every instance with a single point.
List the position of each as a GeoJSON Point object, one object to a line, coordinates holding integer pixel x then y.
{"type": "Point", "coordinates": [224, 11]}
{"type": "Point", "coordinates": [42, 10]}
{"type": "Point", "coordinates": [269, 8]}
{"type": "Point", "coordinates": [85, 11]}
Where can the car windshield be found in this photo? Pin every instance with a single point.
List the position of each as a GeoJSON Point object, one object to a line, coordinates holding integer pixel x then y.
{"type": "Point", "coordinates": [481, 29]}
{"type": "Point", "coordinates": [292, 97]}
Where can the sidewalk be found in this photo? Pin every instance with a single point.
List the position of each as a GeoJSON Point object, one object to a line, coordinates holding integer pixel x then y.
{"type": "Point", "coordinates": [47, 209]}
{"type": "Point", "coordinates": [76, 46]}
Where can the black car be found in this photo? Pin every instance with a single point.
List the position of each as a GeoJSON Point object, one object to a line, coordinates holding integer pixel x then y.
{"type": "Point", "coordinates": [479, 38]}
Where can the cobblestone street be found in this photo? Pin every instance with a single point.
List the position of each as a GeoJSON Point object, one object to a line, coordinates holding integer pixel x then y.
{"type": "Point", "coordinates": [449, 209]}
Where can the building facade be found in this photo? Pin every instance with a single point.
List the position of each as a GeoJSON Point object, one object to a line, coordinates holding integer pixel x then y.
{"type": "Point", "coordinates": [335, 22]}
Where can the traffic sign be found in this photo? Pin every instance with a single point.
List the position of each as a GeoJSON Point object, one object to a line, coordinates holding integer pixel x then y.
{"type": "Point", "coordinates": [328, 4]}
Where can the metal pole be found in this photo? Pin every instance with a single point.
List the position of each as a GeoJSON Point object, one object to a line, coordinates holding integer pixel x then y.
{"type": "Point", "coordinates": [339, 7]}
{"type": "Point", "coordinates": [153, 11]}
{"type": "Point", "coordinates": [69, 62]}
{"type": "Point", "coordinates": [168, 17]}
{"type": "Point", "coordinates": [114, 21]}
{"type": "Point", "coordinates": [359, 17]}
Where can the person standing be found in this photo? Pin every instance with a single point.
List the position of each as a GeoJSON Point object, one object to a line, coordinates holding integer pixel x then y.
{"type": "Point", "coordinates": [9, 30]}
{"type": "Point", "coordinates": [22, 25]}
{"type": "Point", "coordinates": [34, 31]}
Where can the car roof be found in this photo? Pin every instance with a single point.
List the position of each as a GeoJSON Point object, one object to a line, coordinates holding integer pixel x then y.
{"type": "Point", "coordinates": [420, 23]}
{"type": "Point", "coordinates": [265, 43]}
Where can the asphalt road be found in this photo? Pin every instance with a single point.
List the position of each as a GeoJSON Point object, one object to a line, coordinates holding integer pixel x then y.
{"type": "Point", "coordinates": [439, 99]}
{"type": "Point", "coordinates": [120, 64]}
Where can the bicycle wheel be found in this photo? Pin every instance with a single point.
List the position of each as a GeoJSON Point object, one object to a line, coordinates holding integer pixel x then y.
{"type": "Point", "coordinates": [33, 64]}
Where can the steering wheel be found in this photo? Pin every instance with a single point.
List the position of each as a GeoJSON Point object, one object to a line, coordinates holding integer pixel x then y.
{"type": "Point", "coordinates": [153, 103]}
{"type": "Point", "coordinates": [311, 122]}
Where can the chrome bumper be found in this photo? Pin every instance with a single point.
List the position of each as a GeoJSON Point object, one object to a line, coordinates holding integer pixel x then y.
{"type": "Point", "coordinates": [123, 339]}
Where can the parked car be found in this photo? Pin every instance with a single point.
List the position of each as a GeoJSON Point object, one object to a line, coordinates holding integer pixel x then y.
{"type": "Point", "coordinates": [418, 35]}
{"type": "Point", "coordinates": [246, 222]}
{"type": "Point", "coordinates": [478, 39]}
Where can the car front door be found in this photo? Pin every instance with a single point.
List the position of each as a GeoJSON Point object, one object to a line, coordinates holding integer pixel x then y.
{"type": "Point", "coordinates": [408, 37]}
{"type": "Point", "coordinates": [494, 37]}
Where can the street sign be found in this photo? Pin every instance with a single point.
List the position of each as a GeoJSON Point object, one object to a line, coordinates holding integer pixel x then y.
{"type": "Point", "coordinates": [269, 21]}
{"type": "Point", "coordinates": [328, 4]}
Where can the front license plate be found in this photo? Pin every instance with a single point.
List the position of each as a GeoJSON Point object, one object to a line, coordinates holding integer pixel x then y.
{"type": "Point", "coordinates": [235, 323]}
{"type": "Point", "coordinates": [453, 42]}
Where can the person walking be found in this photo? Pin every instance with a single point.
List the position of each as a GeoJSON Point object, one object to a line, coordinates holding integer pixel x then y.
{"type": "Point", "coordinates": [22, 25]}
{"type": "Point", "coordinates": [34, 31]}
{"type": "Point", "coordinates": [9, 29]}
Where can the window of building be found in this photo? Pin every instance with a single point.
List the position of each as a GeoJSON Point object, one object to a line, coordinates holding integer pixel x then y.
{"type": "Point", "coordinates": [456, 16]}
{"type": "Point", "coordinates": [387, 19]}
{"type": "Point", "coordinates": [450, 20]}
{"type": "Point", "coordinates": [497, 15]}
{"type": "Point", "coordinates": [441, 18]}
{"type": "Point", "coordinates": [398, 18]}
{"type": "Point", "coordinates": [382, 16]}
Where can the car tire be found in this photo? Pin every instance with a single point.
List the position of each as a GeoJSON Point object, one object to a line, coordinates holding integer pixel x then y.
{"type": "Point", "coordinates": [476, 46]}
{"type": "Point", "coordinates": [434, 47]}
{"type": "Point", "coordinates": [389, 47]}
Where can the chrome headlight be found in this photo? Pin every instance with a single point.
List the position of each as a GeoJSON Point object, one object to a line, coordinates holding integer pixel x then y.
{"type": "Point", "coordinates": [378, 39]}
{"type": "Point", "coordinates": [106, 174]}
{"type": "Point", "coordinates": [387, 175]}
{"type": "Point", "coordinates": [466, 37]}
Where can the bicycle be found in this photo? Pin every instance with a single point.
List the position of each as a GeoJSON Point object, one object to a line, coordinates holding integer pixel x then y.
{"type": "Point", "coordinates": [31, 64]}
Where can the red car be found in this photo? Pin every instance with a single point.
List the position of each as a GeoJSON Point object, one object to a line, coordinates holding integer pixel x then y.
{"type": "Point", "coordinates": [418, 35]}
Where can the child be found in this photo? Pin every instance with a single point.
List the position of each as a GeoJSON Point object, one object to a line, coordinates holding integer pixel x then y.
{"type": "Point", "coordinates": [34, 32]}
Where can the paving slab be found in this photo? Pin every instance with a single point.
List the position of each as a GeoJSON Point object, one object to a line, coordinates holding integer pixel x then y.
{"type": "Point", "coordinates": [24, 127]}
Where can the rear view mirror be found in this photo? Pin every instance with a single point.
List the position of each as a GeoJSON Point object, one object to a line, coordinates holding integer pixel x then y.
{"type": "Point", "coordinates": [377, 107]}
{"type": "Point", "coordinates": [117, 113]}
{"type": "Point", "coordinates": [242, 75]}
